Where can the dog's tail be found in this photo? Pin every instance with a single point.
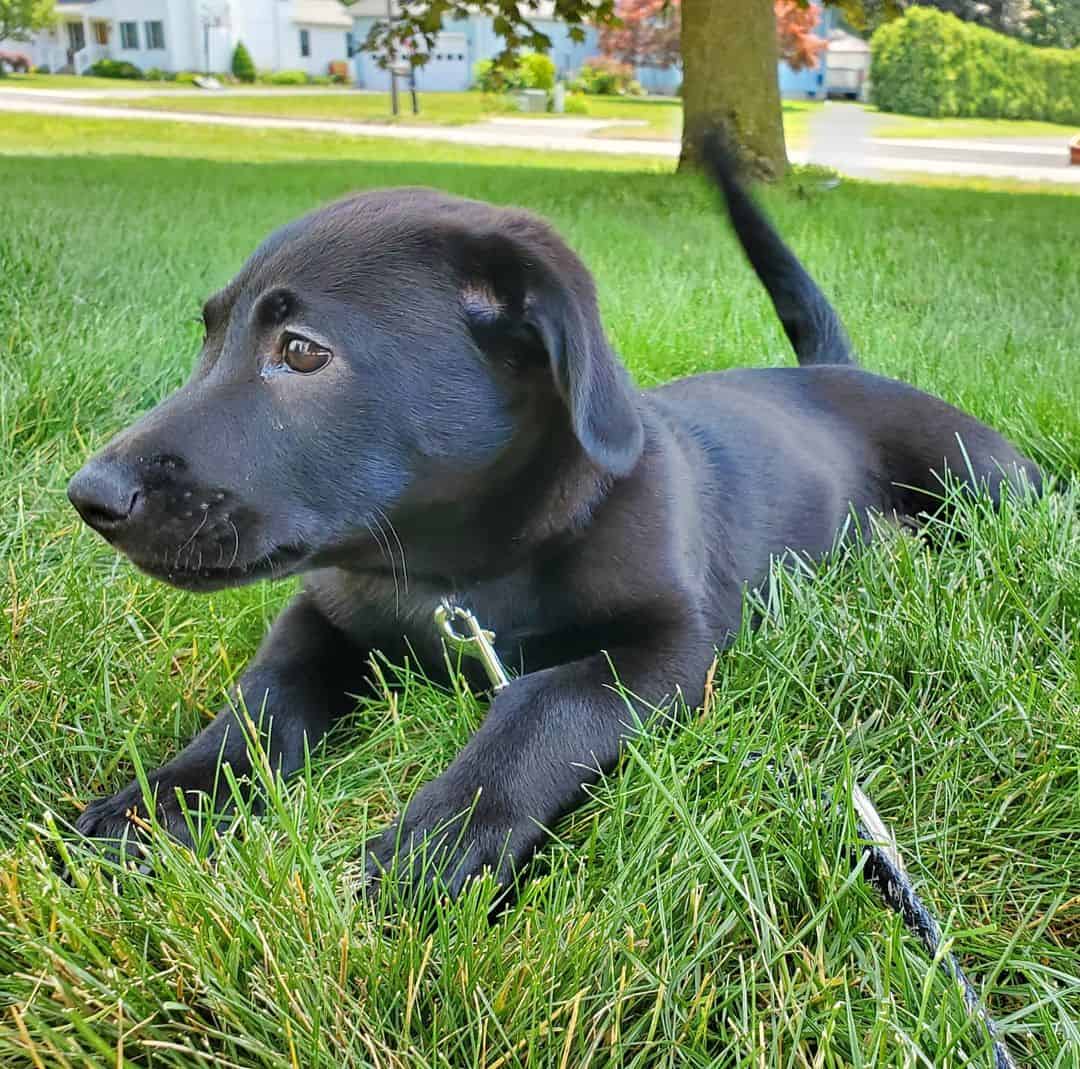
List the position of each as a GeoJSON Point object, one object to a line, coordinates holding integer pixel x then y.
{"type": "Point", "coordinates": [810, 322]}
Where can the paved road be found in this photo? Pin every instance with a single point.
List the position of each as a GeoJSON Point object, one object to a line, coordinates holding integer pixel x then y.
{"type": "Point", "coordinates": [840, 137]}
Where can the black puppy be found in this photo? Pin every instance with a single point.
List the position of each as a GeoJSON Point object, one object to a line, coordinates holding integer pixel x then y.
{"type": "Point", "coordinates": [408, 395]}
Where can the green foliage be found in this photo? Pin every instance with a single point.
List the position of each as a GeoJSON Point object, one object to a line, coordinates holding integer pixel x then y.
{"type": "Point", "coordinates": [537, 71]}
{"type": "Point", "coordinates": [243, 67]}
{"type": "Point", "coordinates": [421, 23]}
{"type": "Point", "coordinates": [929, 63]}
{"type": "Point", "coordinates": [20, 18]}
{"type": "Point", "coordinates": [1053, 23]}
{"type": "Point", "coordinates": [604, 76]}
{"type": "Point", "coordinates": [533, 70]}
{"type": "Point", "coordinates": [489, 80]}
{"type": "Point", "coordinates": [287, 78]}
{"type": "Point", "coordinates": [156, 74]}
{"type": "Point", "coordinates": [114, 68]}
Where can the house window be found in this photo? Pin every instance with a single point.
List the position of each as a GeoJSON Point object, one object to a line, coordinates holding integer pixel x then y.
{"type": "Point", "coordinates": [101, 33]}
{"type": "Point", "coordinates": [76, 36]}
{"type": "Point", "coordinates": [129, 35]}
{"type": "Point", "coordinates": [155, 34]}
{"type": "Point", "coordinates": [305, 43]}
{"type": "Point", "coordinates": [350, 46]}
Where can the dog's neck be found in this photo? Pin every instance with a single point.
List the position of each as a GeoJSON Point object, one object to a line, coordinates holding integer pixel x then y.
{"type": "Point", "coordinates": [539, 496]}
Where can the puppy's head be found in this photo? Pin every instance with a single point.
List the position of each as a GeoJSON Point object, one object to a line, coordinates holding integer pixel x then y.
{"type": "Point", "coordinates": [392, 353]}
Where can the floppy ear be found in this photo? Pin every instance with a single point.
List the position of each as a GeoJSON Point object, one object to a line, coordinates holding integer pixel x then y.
{"type": "Point", "coordinates": [527, 289]}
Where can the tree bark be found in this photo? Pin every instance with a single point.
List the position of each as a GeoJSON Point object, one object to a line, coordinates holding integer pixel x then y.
{"type": "Point", "coordinates": [730, 80]}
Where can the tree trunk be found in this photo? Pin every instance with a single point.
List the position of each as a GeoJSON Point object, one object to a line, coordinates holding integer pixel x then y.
{"type": "Point", "coordinates": [730, 80]}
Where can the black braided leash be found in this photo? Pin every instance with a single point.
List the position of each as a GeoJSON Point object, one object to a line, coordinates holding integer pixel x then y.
{"type": "Point", "coordinates": [883, 868]}
{"type": "Point", "coordinates": [884, 871]}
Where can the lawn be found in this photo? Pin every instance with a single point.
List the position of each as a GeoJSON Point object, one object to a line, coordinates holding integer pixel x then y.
{"type": "Point", "coordinates": [438, 108]}
{"type": "Point", "coordinates": [697, 912]}
{"type": "Point", "coordinates": [917, 127]}
{"type": "Point", "coordinates": [77, 81]}
{"type": "Point", "coordinates": [636, 117]}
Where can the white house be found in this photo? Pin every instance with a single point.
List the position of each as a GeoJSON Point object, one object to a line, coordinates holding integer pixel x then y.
{"type": "Point", "coordinates": [194, 35]}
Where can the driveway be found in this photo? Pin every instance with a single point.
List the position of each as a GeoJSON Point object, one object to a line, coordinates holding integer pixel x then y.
{"type": "Point", "coordinates": [841, 138]}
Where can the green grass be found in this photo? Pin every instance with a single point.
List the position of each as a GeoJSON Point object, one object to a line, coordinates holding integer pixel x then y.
{"type": "Point", "coordinates": [912, 126]}
{"type": "Point", "coordinates": [636, 117]}
{"type": "Point", "coordinates": [76, 81]}
{"type": "Point", "coordinates": [438, 108]}
{"type": "Point", "coordinates": [695, 912]}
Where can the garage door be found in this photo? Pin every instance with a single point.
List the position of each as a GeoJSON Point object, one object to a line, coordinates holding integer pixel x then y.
{"type": "Point", "coordinates": [448, 68]}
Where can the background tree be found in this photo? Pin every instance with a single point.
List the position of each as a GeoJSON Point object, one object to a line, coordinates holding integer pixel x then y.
{"type": "Point", "coordinates": [20, 18]}
{"type": "Point", "coordinates": [1004, 16]}
{"type": "Point", "coordinates": [1052, 23]}
{"type": "Point", "coordinates": [647, 34]}
{"type": "Point", "coordinates": [800, 48]}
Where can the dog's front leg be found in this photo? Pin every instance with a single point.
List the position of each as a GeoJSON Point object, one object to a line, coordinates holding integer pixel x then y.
{"type": "Point", "coordinates": [292, 691]}
{"type": "Point", "coordinates": [546, 737]}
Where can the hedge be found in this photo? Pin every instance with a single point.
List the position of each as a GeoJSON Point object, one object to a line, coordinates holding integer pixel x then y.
{"type": "Point", "coordinates": [114, 68]}
{"type": "Point", "coordinates": [930, 63]}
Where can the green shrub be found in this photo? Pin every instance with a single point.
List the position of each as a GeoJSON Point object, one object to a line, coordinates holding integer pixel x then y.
{"type": "Point", "coordinates": [155, 74]}
{"type": "Point", "coordinates": [534, 70]}
{"type": "Point", "coordinates": [243, 67]}
{"type": "Point", "coordinates": [114, 68]}
{"type": "Point", "coordinates": [602, 76]}
{"type": "Point", "coordinates": [537, 71]}
{"type": "Point", "coordinates": [322, 79]}
{"type": "Point", "coordinates": [930, 63]}
{"type": "Point", "coordinates": [186, 77]}
{"type": "Point", "coordinates": [575, 104]}
{"type": "Point", "coordinates": [486, 79]}
{"type": "Point", "coordinates": [288, 78]}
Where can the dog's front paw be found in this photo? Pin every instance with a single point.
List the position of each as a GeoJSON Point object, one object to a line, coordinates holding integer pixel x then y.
{"type": "Point", "coordinates": [120, 824]}
{"type": "Point", "coordinates": [443, 840]}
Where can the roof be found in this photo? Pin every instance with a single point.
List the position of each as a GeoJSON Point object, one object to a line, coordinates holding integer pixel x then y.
{"type": "Point", "coordinates": [322, 13]}
{"type": "Point", "coordinates": [841, 41]}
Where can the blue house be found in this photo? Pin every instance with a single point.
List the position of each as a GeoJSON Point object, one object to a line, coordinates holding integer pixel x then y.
{"type": "Point", "coordinates": [464, 42]}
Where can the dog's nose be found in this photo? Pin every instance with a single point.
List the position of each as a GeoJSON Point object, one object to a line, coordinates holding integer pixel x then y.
{"type": "Point", "coordinates": [105, 494]}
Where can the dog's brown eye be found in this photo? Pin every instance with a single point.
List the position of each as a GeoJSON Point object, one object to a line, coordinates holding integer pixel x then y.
{"type": "Point", "coordinates": [303, 354]}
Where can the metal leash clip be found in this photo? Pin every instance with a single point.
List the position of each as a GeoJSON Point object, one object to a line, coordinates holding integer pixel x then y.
{"type": "Point", "coordinates": [461, 631]}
